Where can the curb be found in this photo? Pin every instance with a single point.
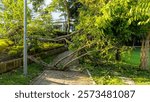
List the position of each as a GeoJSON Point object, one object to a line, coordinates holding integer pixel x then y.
{"type": "Point", "coordinates": [37, 78]}
{"type": "Point", "coordinates": [94, 83]}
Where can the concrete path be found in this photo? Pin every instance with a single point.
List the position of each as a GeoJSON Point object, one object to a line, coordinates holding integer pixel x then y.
{"type": "Point", "coordinates": [51, 77]}
{"type": "Point", "coordinates": [127, 81]}
{"type": "Point", "coordinates": [74, 76]}
{"type": "Point", "coordinates": [72, 66]}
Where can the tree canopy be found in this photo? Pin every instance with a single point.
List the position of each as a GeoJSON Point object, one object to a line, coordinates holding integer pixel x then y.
{"type": "Point", "coordinates": [109, 24]}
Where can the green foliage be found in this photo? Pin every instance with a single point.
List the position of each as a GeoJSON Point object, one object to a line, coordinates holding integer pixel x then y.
{"type": "Point", "coordinates": [4, 43]}
{"type": "Point", "coordinates": [15, 50]}
{"type": "Point", "coordinates": [11, 20]}
{"type": "Point", "coordinates": [73, 6]}
{"type": "Point", "coordinates": [58, 33]}
{"type": "Point", "coordinates": [109, 25]}
{"type": "Point", "coordinates": [46, 46]}
{"type": "Point", "coordinates": [40, 46]}
{"type": "Point", "coordinates": [42, 25]}
{"type": "Point", "coordinates": [37, 4]}
{"type": "Point", "coordinates": [39, 28]}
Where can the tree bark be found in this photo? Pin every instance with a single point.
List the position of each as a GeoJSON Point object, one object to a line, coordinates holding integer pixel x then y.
{"type": "Point", "coordinates": [145, 53]}
{"type": "Point", "coordinates": [66, 64]}
{"type": "Point", "coordinates": [57, 39]}
{"type": "Point", "coordinates": [71, 54]}
{"type": "Point", "coordinates": [118, 56]}
{"type": "Point", "coordinates": [38, 61]}
{"type": "Point", "coordinates": [68, 15]}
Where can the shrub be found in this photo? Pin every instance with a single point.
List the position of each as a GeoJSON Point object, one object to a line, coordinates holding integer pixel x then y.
{"type": "Point", "coordinates": [4, 43]}
{"type": "Point", "coordinates": [15, 50]}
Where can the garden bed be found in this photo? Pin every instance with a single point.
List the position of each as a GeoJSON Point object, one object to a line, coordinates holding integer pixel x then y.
{"type": "Point", "coordinates": [6, 66]}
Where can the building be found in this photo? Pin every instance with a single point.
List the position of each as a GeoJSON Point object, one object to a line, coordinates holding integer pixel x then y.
{"type": "Point", "coordinates": [61, 25]}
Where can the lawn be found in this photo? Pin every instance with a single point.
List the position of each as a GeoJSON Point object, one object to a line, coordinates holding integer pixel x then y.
{"type": "Point", "coordinates": [16, 77]}
{"type": "Point", "coordinates": [133, 57]}
{"type": "Point", "coordinates": [112, 73]}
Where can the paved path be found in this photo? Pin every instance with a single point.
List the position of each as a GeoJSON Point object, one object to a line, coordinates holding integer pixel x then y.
{"type": "Point", "coordinates": [72, 66]}
{"type": "Point", "coordinates": [127, 81]}
{"type": "Point", "coordinates": [72, 77]}
{"type": "Point", "coordinates": [51, 77]}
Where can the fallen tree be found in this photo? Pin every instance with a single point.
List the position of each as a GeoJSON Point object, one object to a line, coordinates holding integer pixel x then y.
{"type": "Point", "coordinates": [39, 61]}
{"type": "Point", "coordinates": [65, 65]}
{"type": "Point", "coordinates": [54, 67]}
{"type": "Point", "coordinates": [57, 39]}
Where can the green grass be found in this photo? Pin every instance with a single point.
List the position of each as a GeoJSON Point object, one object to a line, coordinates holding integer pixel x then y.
{"type": "Point", "coordinates": [105, 75]}
{"type": "Point", "coordinates": [16, 77]}
{"type": "Point", "coordinates": [133, 58]}
{"type": "Point", "coordinates": [110, 74]}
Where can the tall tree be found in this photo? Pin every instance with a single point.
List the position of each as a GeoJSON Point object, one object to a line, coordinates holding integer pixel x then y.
{"type": "Point", "coordinates": [37, 4]}
{"type": "Point", "coordinates": [142, 16]}
{"type": "Point", "coordinates": [69, 9]}
{"type": "Point", "coordinates": [12, 19]}
{"type": "Point", "coordinates": [110, 24]}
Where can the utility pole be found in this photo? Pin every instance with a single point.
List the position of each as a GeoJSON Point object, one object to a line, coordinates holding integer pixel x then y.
{"type": "Point", "coordinates": [25, 39]}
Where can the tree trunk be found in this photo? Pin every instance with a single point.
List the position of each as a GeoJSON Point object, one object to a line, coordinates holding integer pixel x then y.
{"type": "Point", "coordinates": [145, 53]}
{"type": "Point", "coordinates": [38, 61]}
{"type": "Point", "coordinates": [68, 15]}
{"type": "Point", "coordinates": [57, 39]}
{"type": "Point", "coordinates": [118, 56]}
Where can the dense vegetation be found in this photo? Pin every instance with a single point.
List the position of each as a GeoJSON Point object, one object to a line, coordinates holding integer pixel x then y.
{"type": "Point", "coordinates": [128, 68]}
{"type": "Point", "coordinates": [109, 26]}
{"type": "Point", "coordinates": [104, 31]}
{"type": "Point", "coordinates": [11, 29]}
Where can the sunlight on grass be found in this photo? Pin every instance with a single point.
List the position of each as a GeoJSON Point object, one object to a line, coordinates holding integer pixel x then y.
{"type": "Point", "coordinates": [111, 74]}
{"type": "Point", "coordinates": [133, 58]}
